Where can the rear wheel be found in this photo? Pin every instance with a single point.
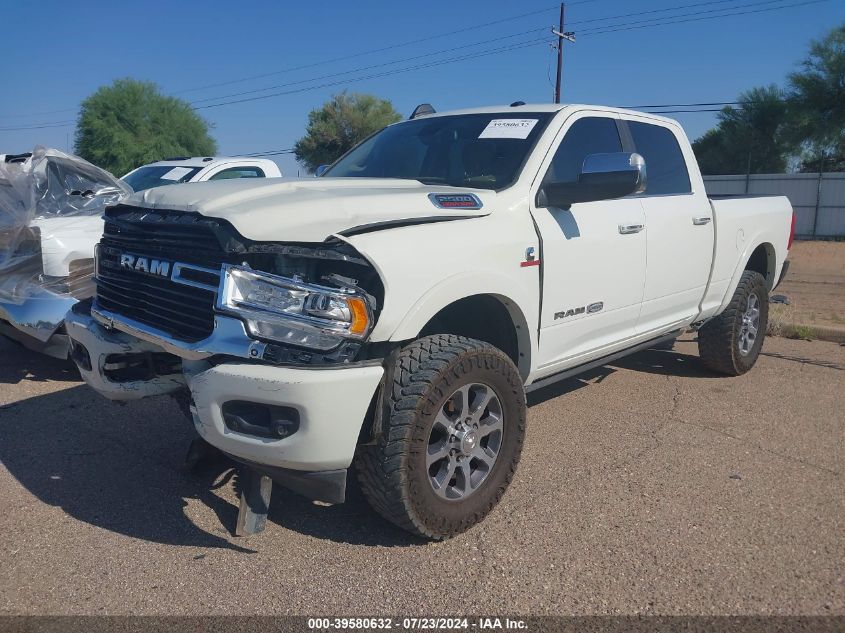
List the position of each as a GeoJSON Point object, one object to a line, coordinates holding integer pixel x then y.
{"type": "Point", "coordinates": [453, 430]}
{"type": "Point", "coordinates": [730, 343]}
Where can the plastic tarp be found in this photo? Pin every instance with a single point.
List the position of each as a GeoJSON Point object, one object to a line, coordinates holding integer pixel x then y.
{"type": "Point", "coordinates": [40, 197]}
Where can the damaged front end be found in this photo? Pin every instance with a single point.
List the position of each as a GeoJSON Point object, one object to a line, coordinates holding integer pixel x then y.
{"type": "Point", "coordinates": [50, 204]}
{"type": "Point", "coordinates": [269, 339]}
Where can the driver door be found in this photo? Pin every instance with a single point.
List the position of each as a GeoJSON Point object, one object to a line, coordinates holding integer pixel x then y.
{"type": "Point", "coordinates": [593, 255]}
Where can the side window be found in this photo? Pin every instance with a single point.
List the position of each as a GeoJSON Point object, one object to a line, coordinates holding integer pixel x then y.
{"type": "Point", "coordinates": [238, 172]}
{"type": "Point", "coordinates": [665, 167]}
{"type": "Point", "coordinates": [590, 135]}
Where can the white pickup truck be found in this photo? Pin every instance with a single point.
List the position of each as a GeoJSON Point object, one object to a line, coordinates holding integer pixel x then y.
{"type": "Point", "coordinates": [394, 312]}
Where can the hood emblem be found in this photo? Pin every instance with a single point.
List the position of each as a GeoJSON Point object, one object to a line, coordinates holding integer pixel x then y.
{"type": "Point", "coordinates": [455, 200]}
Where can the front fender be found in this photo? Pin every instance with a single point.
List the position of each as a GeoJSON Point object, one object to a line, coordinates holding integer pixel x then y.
{"type": "Point", "coordinates": [464, 285]}
{"type": "Point", "coordinates": [428, 267]}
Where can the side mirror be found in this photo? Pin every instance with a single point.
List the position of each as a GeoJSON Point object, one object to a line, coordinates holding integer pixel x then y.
{"type": "Point", "coordinates": [321, 170]}
{"type": "Point", "coordinates": [602, 177]}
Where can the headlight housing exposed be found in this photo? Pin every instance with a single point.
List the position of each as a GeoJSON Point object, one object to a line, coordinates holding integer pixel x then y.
{"type": "Point", "coordinates": [292, 311]}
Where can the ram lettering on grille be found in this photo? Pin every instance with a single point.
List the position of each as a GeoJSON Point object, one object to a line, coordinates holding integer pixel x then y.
{"type": "Point", "coordinates": [145, 265]}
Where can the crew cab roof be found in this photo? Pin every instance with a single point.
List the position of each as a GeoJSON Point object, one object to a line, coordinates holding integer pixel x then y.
{"type": "Point", "coordinates": [545, 107]}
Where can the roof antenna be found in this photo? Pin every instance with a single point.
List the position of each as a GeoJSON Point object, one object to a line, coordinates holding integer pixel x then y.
{"type": "Point", "coordinates": [422, 110]}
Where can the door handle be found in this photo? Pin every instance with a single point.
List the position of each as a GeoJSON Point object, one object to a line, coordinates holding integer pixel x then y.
{"type": "Point", "coordinates": [701, 221]}
{"type": "Point", "coordinates": [627, 229]}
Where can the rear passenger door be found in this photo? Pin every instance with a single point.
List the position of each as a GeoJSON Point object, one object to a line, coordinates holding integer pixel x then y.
{"type": "Point", "coordinates": [593, 254]}
{"type": "Point", "coordinates": [679, 228]}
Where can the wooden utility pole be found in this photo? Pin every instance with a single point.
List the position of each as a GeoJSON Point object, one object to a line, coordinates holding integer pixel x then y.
{"type": "Point", "coordinates": [559, 53]}
{"type": "Point", "coordinates": [569, 36]}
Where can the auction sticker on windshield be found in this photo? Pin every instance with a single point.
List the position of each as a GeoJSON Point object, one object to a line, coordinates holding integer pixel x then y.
{"type": "Point", "coordinates": [508, 128]}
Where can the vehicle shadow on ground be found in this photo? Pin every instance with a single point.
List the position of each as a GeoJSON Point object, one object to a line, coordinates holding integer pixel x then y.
{"type": "Point", "coordinates": [111, 465]}
{"type": "Point", "coordinates": [120, 466]}
{"type": "Point", "coordinates": [665, 363]}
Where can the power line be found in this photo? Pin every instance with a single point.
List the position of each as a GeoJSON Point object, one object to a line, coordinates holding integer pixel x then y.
{"type": "Point", "coordinates": [664, 21]}
{"type": "Point", "coordinates": [40, 126]}
{"type": "Point", "coordinates": [441, 62]}
{"type": "Point", "coordinates": [638, 13]}
{"type": "Point", "coordinates": [696, 17]}
{"type": "Point", "coordinates": [685, 105]}
{"type": "Point", "coordinates": [464, 46]}
{"type": "Point", "coordinates": [378, 50]}
{"type": "Point", "coordinates": [603, 30]}
{"type": "Point", "coordinates": [361, 69]}
{"type": "Point", "coordinates": [681, 111]}
{"type": "Point", "coordinates": [274, 152]}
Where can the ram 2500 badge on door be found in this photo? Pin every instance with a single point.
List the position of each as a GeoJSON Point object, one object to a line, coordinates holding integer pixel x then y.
{"type": "Point", "coordinates": [393, 313]}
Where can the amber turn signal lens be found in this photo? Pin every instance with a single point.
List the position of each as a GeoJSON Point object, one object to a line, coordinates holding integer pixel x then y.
{"type": "Point", "coordinates": [360, 318]}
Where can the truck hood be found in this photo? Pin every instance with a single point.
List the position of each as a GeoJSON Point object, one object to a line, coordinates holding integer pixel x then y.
{"type": "Point", "coordinates": [309, 210]}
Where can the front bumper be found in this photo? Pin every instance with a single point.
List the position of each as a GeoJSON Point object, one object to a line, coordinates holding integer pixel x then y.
{"type": "Point", "coordinates": [330, 403]}
{"type": "Point", "coordinates": [93, 347]}
{"type": "Point", "coordinates": [35, 321]}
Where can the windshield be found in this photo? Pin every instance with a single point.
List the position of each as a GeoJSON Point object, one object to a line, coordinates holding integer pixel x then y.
{"type": "Point", "coordinates": [484, 151]}
{"type": "Point", "coordinates": [158, 175]}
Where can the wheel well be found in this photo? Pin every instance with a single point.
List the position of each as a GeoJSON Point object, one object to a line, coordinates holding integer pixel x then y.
{"type": "Point", "coordinates": [482, 317]}
{"type": "Point", "coordinates": [762, 260]}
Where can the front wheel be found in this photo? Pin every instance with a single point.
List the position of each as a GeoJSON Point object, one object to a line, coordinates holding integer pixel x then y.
{"type": "Point", "coordinates": [731, 342]}
{"type": "Point", "coordinates": [452, 436]}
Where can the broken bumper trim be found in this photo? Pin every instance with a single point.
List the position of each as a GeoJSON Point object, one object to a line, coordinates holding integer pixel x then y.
{"type": "Point", "coordinates": [57, 346]}
{"type": "Point", "coordinates": [327, 485]}
{"type": "Point", "coordinates": [99, 344]}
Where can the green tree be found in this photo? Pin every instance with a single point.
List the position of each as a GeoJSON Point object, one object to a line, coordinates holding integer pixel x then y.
{"type": "Point", "coordinates": [817, 104]}
{"type": "Point", "coordinates": [130, 123]}
{"type": "Point", "coordinates": [339, 125]}
{"type": "Point", "coordinates": [749, 138]}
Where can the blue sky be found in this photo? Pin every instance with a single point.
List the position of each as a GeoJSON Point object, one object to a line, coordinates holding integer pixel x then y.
{"type": "Point", "coordinates": [59, 52]}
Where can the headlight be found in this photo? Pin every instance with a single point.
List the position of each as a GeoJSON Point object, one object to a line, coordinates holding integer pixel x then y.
{"type": "Point", "coordinates": [291, 311]}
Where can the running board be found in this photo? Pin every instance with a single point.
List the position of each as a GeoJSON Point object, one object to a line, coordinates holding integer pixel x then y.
{"type": "Point", "coordinates": [604, 360]}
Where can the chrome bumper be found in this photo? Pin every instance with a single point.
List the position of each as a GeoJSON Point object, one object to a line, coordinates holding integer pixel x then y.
{"type": "Point", "coordinates": [229, 337]}
{"type": "Point", "coordinates": [95, 344]}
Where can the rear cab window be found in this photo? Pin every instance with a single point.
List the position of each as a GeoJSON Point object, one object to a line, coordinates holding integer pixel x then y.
{"type": "Point", "coordinates": [238, 172]}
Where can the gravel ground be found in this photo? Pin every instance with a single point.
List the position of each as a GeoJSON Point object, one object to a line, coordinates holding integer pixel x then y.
{"type": "Point", "coordinates": [815, 285]}
{"type": "Point", "coordinates": [650, 486]}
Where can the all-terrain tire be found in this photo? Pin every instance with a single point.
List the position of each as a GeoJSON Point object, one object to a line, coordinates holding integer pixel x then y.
{"type": "Point", "coordinates": [393, 474]}
{"type": "Point", "coordinates": [719, 338]}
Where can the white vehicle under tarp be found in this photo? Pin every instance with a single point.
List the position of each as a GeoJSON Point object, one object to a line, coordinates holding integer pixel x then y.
{"type": "Point", "coordinates": [50, 208]}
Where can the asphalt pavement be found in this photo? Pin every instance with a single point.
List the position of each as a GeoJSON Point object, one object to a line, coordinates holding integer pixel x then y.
{"type": "Point", "coordinates": [650, 486]}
